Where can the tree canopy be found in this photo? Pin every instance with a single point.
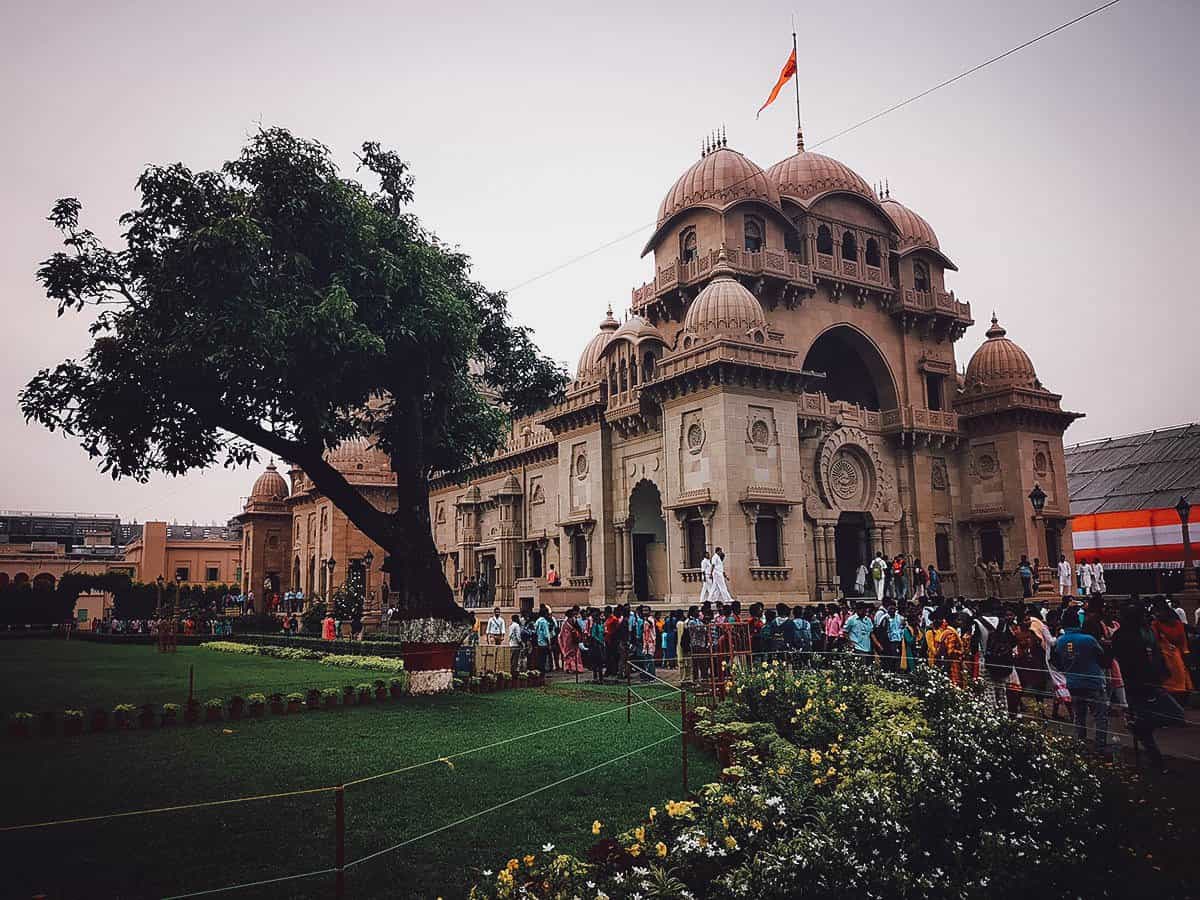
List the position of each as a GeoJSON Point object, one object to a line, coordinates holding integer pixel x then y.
{"type": "Point", "coordinates": [276, 304]}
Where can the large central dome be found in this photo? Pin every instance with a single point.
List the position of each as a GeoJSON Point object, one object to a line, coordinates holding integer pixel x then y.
{"type": "Point", "coordinates": [806, 176]}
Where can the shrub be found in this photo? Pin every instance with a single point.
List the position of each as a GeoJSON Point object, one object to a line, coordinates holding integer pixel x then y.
{"type": "Point", "coordinates": [294, 697]}
{"type": "Point", "coordinates": [169, 709]}
{"type": "Point", "coordinates": [26, 717]}
{"type": "Point", "coordinates": [215, 703]}
{"type": "Point", "coordinates": [349, 661]}
{"type": "Point", "coordinates": [124, 708]}
{"type": "Point", "coordinates": [256, 699]}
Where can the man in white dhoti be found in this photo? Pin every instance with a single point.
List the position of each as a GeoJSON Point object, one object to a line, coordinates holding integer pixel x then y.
{"type": "Point", "coordinates": [878, 576]}
{"type": "Point", "coordinates": [706, 568]}
{"type": "Point", "coordinates": [720, 588]}
{"type": "Point", "coordinates": [1098, 569]}
{"type": "Point", "coordinates": [1089, 580]}
{"type": "Point", "coordinates": [1064, 576]}
{"type": "Point", "coordinates": [860, 580]}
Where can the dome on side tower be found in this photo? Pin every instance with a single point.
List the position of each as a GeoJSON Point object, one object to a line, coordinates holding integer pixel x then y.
{"type": "Point", "coordinates": [1000, 363]}
{"type": "Point", "coordinates": [725, 309]}
{"type": "Point", "coordinates": [589, 370]}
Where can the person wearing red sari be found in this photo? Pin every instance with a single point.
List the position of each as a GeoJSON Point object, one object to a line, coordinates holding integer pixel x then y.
{"type": "Point", "coordinates": [569, 637]}
{"type": "Point", "coordinates": [946, 650]}
{"type": "Point", "coordinates": [1173, 646]}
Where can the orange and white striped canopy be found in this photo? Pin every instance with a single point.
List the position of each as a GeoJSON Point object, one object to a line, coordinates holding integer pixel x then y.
{"type": "Point", "coordinates": [1133, 539]}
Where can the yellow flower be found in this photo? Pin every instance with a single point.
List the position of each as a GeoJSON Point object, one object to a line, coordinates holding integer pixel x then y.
{"type": "Point", "coordinates": [661, 849]}
{"type": "Point", "coordinates": [814, 757]}
{"type": "Point", "coordinates": [728, 800]}
{"type": "Point", "coordinates": [725, 822]}
{"type": "Point", "coordinates": [679, 808]}
{"type": "Point", "coordinates": [731, 842]}
{"type": "Point", "coordinates": [756, 825]}
{"type": "Point", "coordinates": [784, 770]}
{"type": "Point", "coordinates": [832, 771]}
{"type": "Point", "coordinates": [596, 826]}
{"type": "Point", "coordinates": [816, 781]}
{"type": "Point", "coordinates": [505, 878]}
{"type": "Point", "coordinates": [702, 841]}
{"type": "Point", "coordinates": [839, 738]}
{"type": "Point", "coordinates": [640, 834]}
{"type": "Point", "coordinates": [635, 850]}
{"type": "Point", "coordinates": [763, 692]}
{"type": "Point", "coordinates": [513, 865]}
{"type": "Point", "coordinates": [529, 861]}
{"type": "Point", "coordinates": [653, 813]}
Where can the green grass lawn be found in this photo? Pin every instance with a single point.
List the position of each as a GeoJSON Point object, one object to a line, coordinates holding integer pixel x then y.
{"type": "Point", "coordinates": [37, 675]}
{"type": "Point", "coordinates": [177, 852]}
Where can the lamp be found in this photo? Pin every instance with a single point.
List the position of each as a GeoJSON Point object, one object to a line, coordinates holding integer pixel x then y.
{"type": "Point", "coordinates": [1184, 509]}
{"type": "Point", "coordinates": [1038, 498]}
{"type": "Point", "coordinates": [368, 559]}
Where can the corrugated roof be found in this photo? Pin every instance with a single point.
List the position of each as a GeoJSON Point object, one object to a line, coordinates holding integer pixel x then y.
{"type": "Point", "coordinates": [1138, 471]}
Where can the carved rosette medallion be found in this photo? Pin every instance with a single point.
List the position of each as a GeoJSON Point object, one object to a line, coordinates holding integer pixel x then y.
{"type": "Point", "coordinates": [695, 438]}
{"type": "Point", "coordinates": [850, 474]}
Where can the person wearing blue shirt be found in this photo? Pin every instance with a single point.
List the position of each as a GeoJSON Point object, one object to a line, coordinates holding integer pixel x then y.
{"type": "Point", "coordinates": [1081, 659]}
{"type": "Point", "coordinates": [858, 630]}
{"type": "Point", "coordinates": [542, 631]}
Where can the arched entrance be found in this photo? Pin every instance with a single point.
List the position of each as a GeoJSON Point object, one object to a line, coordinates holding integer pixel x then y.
{"type": "Point", "coordinates": [851, 548]}
{"type": "Point", "coordinates": [648, 530]}
{"type": "Point", "coordinates": [855, 370]}
{"type": "Point", "coordinates": [43, 581]}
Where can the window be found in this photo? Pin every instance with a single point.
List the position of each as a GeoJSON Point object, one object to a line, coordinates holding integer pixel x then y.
{"type": "Point", "coordinates": [633, 371]}
{"type": "Point", "coordinates": [894, 268]}
{"type": "Point", "coordinates": [182, 574]}
{"type": "Point", "coordinates": [941, 543]}
{"type": "Point", "coordinates": [849, 247]}
{"type": "Point", "coordinates": [624, 382]}
{"type": "Point", "coordinates": [535, 563]}
{"type": "Point", "coordinates": [579, 555]}
{"type": "Point", "coordinates": [873, 252]}
{"type": "Point", "coordinates": [991, 546]}
{"type": "Point", "coordinates": [766, 536]}
{"type": "Point", "coordinates": [687, 245]}
{"type": "Point", "coordinates": [920, 276]}
{"type": "Point", "coordinates": [933, 391]}
{"type": "Point", "coordinates": [696, 541]}
{"type": "Point", "coordinates": [212, 573]}
{"type": "Point", "coordinates": [648, 365]}
{"type": "Point", "coordinates": [754, 235]}
{"type": "Point", "coordinates": [824, 240]}
{"type": "Point", "coordinates": [793, 241]}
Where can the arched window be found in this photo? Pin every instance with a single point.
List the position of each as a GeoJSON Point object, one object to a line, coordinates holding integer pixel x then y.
{"type": "Point", "coordinates": [849, 247]}
{"type": "Point", "coordinates": [793, 240]}
{"type": "Point", "coordinates": [920, 276]}
{"type": "Point", "coordinates": [754, 235]}
{"type": "Point", "coordinates": [648, 364]}
{"type": "Point", "coordinates": [894, 268]}
{"type": "Point", "coordinates": [612, 378]}
{"type": "Point", "coordinates": [824, 240]}
{"type": "Point", "coordinates": [687, 245]}
{"type": "Point", "coordinates": [633, 371]}
{"type": "Point", "coordinates": [766, 539]}
{"type": "Point", "coordinates": [624, 378]}
{"type": "Point", "coordinates": [872, 252]}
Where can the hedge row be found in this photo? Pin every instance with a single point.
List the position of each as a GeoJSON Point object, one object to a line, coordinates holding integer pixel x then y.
{"type": "Point", "coordinates": [344, 660]}
{"type": "Point", "coordinates": [311, 642]}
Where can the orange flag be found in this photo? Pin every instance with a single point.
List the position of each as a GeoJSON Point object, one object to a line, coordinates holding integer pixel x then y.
{"type": "Point", "coordinates": [789, 69]}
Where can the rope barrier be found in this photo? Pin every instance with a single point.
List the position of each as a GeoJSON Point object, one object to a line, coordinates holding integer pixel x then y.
{"type": "Point", "coordinates": [250, 884]}
{"type": "Point", "coordinates": [509, 802]}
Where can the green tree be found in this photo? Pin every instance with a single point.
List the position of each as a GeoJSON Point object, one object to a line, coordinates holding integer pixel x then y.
{"type": "Point", "coordinates": [275, 304]}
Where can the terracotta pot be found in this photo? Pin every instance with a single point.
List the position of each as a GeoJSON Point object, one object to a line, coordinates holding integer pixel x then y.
{"type": "Point", "coordinates": [331, 702]}
{"type": "Point", "coordinates": [522, 682]}
{"type": "Point", "coordinates": [213, 715]}
{"type": "Point", "coordinates": [381, 694]}
{"type": "Point", "coordinates": [279, 708]}
{"type": "Point", "coordinates": [429, 657]}
{"type": "Point", "coordinates": [99, 721]}
{"type": "Point", "coordinates": [258, 710]}
{"type": "Point", "coordinates": [72, 727]}
{"type": "Point", "coordinates": [18, 729]}
{"type": "Point", "coordinates": [121, 721]}
{"type": "Point", "coordinates": [397, 691]}
{"type": "Point", "coordinates": [313, 701]}
{"type": "Point", "coordinates": [293, 706]}
{"type": "Point", "coordinates": [364, 698]}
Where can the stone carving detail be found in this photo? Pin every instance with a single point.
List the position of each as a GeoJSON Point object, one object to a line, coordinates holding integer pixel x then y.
{"type": "Point", "coordinates": [938, 476]}
{"type": "Point", "coordinates": [695, 438]}
{"type": "Point", "coordinates": [539, 496]}
{"type": "Point", "coordinates": [844, 477]}
{"type": "Point", "coordinates": [1041, 465]}
{"type": "Point", "coordinates": [581, 466]}
{"type": "Point", "coordinates": [986, 465]}
{"type": "Point", "coordinates": [760, 433]}
{"type": "Point", "coordinates": [851, 475]}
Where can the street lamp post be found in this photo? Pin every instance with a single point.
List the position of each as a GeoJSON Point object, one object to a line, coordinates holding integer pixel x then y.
{"type": "Point", "coordinates": [372, 615]}
{"type": "Point", "coordinates": [1037, 499]}
{"type": "Point", "coordinates": [1191, 590]}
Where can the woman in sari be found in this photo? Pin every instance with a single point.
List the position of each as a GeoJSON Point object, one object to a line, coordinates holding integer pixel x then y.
{"type": "Point", "coordinates": [946, 649]}
{"type": "Point", "coordinates": [1173, 646]}
{"type": "Point", "coordinates": [328, 632]}
{"type": "Point", "coordinates": [569, 637]}
{"type": "Point", "coordinates": [910, 641]}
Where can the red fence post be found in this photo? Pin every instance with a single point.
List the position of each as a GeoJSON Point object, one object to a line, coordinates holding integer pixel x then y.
{"type": "Point", "coordinates": [339, 842]}
{"type": "Point", "coordinates": [683, 734]}
{"type": "Point", "coordinates": [191, 684]}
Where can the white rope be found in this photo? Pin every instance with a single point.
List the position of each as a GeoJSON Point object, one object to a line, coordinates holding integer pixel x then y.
{"type": "Point", "coordinates": [250, 884]}
{"type": "Point", "coordinates": [491, 809]}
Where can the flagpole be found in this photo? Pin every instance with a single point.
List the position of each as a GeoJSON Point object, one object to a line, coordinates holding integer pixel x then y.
{"type": "Point", "coordinates": [796, 79]}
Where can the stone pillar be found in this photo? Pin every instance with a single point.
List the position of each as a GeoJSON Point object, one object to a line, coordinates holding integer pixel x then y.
{"type": "Point", "coordinates": [620, 548]}
{"type": "Point", "coordinates": [629, 556]}
{"type": "Point", "coordinates": [587, 537]}
{"type": "Point", "coordinates": [886, 541]}
{"type": "Point", "coordinates": [876, 539]}
{"type": "Point", "coordinates": [752, 518]}
{"type": "Point", "coordinates": [831, 559]}
{"type": "Point", "coordinates": [819, 556]}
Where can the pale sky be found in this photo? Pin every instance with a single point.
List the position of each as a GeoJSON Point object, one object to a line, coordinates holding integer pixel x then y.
{"type": "Point", "coordinates": [1061, 180]}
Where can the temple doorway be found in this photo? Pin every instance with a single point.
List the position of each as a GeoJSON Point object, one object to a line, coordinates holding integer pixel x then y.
{"type": "Point", "coordinates": [851, 549]}
{"type": "Point", "coordinates": [649, 540]}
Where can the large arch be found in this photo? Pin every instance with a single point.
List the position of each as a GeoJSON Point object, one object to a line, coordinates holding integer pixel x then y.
{"type": "Point", "coordinates": [43, 581]}
{"type": "Point", "coordinates": [648, 531]}
{"type": "Point", "coordinates": [855, 370]}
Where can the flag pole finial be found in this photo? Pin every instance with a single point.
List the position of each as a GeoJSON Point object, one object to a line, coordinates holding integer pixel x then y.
{"type": "Point", "coordinates": [799, 139]}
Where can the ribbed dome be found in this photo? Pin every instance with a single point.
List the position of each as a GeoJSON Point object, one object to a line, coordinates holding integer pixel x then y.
{"type": "Point", "coordinates": [635, 328]}
{"type": "Point", "coordinates": [807, 175]}
{"type": "Point", "coordinates": [999, 363]}
{"type": "Point", "coordinates": [358, 455]}
{"type": "Point", "coordinates": [914, 230]}
{"type": "Point", "coordinates": [725, 308]}
{"type": "Point", "coordinates": [719, 179]}
{"type": "Point", "coordinates": [270, 486]}
{"type": "Point", "coordinates": [589, 361]}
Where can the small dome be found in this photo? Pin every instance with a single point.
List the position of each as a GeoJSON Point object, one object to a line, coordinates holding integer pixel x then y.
{"type": "Point", "coordinates": [717, 180]}
{"type": "Point", "coordinates": [270, 486]}
{"type": "Point", "coordinates": [806, 176]}
{"type": "Point", "coordinates": [635, 328]}
{"type": "Point", "coordinates": [511, 487]}
{"type": "Point", "coordinates": [915, 232]}
{"type": "Point", "coordinates": [357, 454]}
{"type": "Point", "coordinates": [588, 369]}
{"type": "Point", "coordinates": [725, 308]}
{"type": "Point", "coordinates": [999, 363]}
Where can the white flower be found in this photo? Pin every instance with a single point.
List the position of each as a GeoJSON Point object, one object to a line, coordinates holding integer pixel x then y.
{"type": "Point", "coordinates": [487, 872]}
{"type": "Point", "coordinates": [546, 848]}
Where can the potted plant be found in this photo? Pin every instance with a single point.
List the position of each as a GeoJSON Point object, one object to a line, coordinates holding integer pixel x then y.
{"type": "Point", "coordinates": [191, 712]}
{"type": "Point", "coordinates": [214, 710]}
{"type": "Point", "coordinates": [170, 714]}
{"type": "Point", "coordinates": [349, 695]}
{"type": "Point", "coordinates": [502, 680]}
{"type": "Point", "coordinates": [278, 704]}
{"type": "Point", "coordinates": [237, 707]}
{"type": "Point", "coordinates": [473, 684]}
{"type": "Point", "coordinates": [330, 696]}
{"type": "Point", "coordinates": [147, 716]}
{"type": "Point", "coordinates": [123, 715]}
{"type": "Point", "coordinates": [20, 724]}
{"type": "Point", "coordinates": [381, 691]}
{"type": "Point", "coordinates": [257, 704]}
{"type": "Point", "coordinates": [397, 688]}
{"type": "Point", "coordinates": [459, 684]}
{"type": "Point", "coordinates": [295, 701]}
{"type": "Point", "coordinates": [49, 723]}
{"type": "Point", "coordinates": [489, 682]}
{"type": "Point", "coordinates": [312, 699]}
{"type": "Point", "coordinates": [99, 719]}
{"type": "Point", "coordinates": [364, 694]}
{"type": "Point", "coordinates": [522, 678]}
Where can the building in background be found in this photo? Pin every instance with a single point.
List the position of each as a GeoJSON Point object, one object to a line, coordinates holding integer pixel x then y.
{"type": "Point", "coordinates": [189, 554]}
{"type": "Point", "coordinates": [38, 548]}
{"type": "Point", "coordinates": [1123, 496]}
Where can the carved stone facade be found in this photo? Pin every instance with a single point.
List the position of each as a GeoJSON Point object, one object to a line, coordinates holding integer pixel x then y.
{"type": "Point", "coordinates": [785, 388]}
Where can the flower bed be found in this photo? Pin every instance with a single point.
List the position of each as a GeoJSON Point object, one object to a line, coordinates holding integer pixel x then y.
{"type": "Point", "coordinates": [337, 660]}
{"type": "Point", "coordinates": [842, 784]}
{"type": "Point", "coordinates": [318, 645]}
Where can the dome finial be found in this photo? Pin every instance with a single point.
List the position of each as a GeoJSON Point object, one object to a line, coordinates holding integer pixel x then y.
{"type": "Point", "coordinates": [799, 139]}
{"type": "Point", "coordinates": [722, 267]}
{"type": "Point", "coordinates": [887, 190]}
{"type": "Point", "coordinates": [997, 330]}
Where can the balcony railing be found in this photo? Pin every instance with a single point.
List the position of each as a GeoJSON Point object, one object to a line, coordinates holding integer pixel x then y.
{"type": "Point", "coordinates": [935, 302]}
{"type": "Point", "coordinates": [680, 273]}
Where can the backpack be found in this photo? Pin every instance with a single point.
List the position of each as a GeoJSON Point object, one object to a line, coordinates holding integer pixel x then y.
{"type": "Point", "coordinates": [877, 569]}
{"type": "Point", "coordinates": [1000, 655]}
{"type": "Point", "coordinates": [880, 632]}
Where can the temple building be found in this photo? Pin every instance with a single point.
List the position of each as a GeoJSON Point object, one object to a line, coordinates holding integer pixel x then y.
{"type": "Point", "coordinates": [785, 388]}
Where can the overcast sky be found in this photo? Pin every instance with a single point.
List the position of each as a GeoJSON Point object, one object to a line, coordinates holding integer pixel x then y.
{"type": "Point", "coordinates": [1061, 180]}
